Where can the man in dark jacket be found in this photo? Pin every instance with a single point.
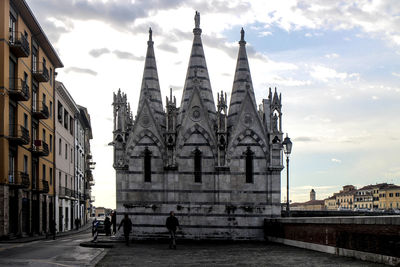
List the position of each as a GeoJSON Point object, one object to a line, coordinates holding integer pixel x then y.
{"type": "Point", "coordinates": [127, 225]}
{"type": "Point", "coordinates": [172, 224]}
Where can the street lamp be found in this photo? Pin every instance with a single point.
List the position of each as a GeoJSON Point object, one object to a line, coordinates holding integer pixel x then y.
{"type": "Point", "coordinates": [287, 148]}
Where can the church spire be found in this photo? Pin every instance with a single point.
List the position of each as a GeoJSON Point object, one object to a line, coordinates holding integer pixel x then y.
{"type": "Point", "coordinates": [150, 88]}
{"type": "Point", "coordinates": [197, 63]}
{"type": "Point", "coordinates": [241, 83]}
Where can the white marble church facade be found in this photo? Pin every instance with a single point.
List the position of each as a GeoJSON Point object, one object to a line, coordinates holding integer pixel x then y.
{"type": "Point", "coordinates": [219, 169]}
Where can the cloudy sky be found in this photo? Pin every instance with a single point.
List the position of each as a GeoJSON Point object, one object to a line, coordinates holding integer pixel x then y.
{"type": "Point", "coordinates": [336, 63]}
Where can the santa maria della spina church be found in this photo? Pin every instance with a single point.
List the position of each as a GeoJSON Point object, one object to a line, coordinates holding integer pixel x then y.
{"type": "Point", "coordinates": [218, 167]}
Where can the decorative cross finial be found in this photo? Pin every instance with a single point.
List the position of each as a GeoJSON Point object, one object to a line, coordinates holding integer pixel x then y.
{"type": "Point", "coordinates": [197, 20]}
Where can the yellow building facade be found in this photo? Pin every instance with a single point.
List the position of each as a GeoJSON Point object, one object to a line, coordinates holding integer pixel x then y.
{"type": "Point", "coordinates": [28, 62]}
{"type": "Point", "coordinates": [389, 198]}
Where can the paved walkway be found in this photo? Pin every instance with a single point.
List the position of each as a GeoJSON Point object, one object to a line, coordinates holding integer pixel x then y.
{"type": "Point", "coordinates": [232, 254]}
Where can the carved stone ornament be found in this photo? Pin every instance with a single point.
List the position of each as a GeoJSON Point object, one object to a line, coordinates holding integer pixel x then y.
{"type": "Point", "coordinates": [196, 114]}
{"type": "Point", "coordinates": [247, 120]}
{"type": "Point", "coordinates": [145, 121]}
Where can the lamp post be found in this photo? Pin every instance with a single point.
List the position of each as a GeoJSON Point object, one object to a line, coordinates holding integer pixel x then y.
{"type": "Point", "coordinates": [287, 148]}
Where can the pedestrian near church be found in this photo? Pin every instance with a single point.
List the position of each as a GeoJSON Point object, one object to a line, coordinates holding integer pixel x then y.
{"type": "Point", "coordinates": [126, 223]}
{"type": "Point", "coordinates": [107, 226]}
{"type": "Point", "coordinates": [172, 224]}
{"type": "Point", "coordinates": [114, 221]}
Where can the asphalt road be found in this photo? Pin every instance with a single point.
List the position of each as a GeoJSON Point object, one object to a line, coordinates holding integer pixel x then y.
{"type": "Point", "coordinates": [64, 251]}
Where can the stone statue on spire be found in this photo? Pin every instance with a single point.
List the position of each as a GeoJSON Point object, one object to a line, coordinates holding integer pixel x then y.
{"type": "Point", "coordinates": [150, 34]}
{"type": "Point", "coordinates": [197, 20]}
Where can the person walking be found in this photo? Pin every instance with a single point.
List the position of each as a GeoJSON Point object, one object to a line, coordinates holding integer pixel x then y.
{"type": "Point", "coordinates": [114, 221]}
{"type": "Point", "coordinates": [53, 228]}
{"type": "Point", "coordinates": [107, 226]}
{"type": "Point", "coordinates": [95, 230]}
{"type": "Point", "coordinates": [127, 225]}
{"type": "Point", "coordinates": [172, 224]}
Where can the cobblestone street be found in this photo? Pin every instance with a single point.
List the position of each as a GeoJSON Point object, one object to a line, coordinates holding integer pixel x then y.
{"type": "Point", "coordinates": [233, 254]}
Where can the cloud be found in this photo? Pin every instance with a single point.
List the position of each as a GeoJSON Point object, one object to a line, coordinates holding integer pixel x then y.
{"type": "Point", "coordinates": [305, 139]}
{"type": "Point", "coordinates": [98, 52]}
{"type": "Point", "coordinates": [325, 74]}
{"type": "Point", "coordinates": [81, 70]}
{"type": "Point", "coordinates": [264, 33]}
{"type": "Point", "coordinates": [331, 56]}
{"type": "Point", "coordinates": [127, 55]}
{"type": "Point", "coordinates": [336, 160]}
{"type": "Point", "coordinates": [168, 48]}
{"type": "Point", "coordinates": [397, 74]}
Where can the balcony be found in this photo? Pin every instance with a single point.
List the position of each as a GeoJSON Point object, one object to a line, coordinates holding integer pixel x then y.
{"type": "Point", "coordinates": [19, 180]}
{"type": "Point", "coordinates": [40, 148]}
{"type": "Point", "coordinates": [18, 134]}
{"type": "Point", "coordinates": [19, 89]}
{"type": "Point", "coordinates": [45, 186]}
{"type": "Point", "coordinates": [41, 111]}
{"type": "Point", "coordinates": [40, 73]}
{"type": "Point", "coordinates": [19, 44]}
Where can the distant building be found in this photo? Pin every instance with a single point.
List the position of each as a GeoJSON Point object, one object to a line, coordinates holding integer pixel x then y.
{"type": "Point", "coordinates": [330, 203]}
{"type": "Point", "coordinates": [312, 204]}
{"type": "Point", "coordinates": [345, 198]}
{"type": "Point", "coordinates": [389, 197]}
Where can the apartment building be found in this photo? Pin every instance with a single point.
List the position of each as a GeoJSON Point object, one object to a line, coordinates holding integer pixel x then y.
{"type": "Point", "coordinates": [84, 164]}
{"type": "Point", "coordinates": [389, 197]}
{"type": "Point", "coordinates": [28, 62]}
{"type": "Point", "coordinates": [67, 196]}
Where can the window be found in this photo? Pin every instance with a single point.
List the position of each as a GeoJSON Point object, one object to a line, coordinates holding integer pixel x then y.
{"type": "Point", "coordinates": [51, 109]}
{"type": "Point", "coordinates": [59, 179]}
{"type": "Point", "coordinates": [59, 145]}
{"type": "Point", "coordinates": [51, 142]}
{"type": "Point", "coordinates": [59, 112]}
{"type": "Point", "coordinates": [44, 135]}
{"type": "Point", "coordinates": [390, 194]}
{"type": "Point", "coordinates": [71, 155]}
{"type": "Point", "coordinates": [26, 120]}
{"type": "Point", "coordinates": [66, 151]}
{"type": "Point", "coordinates": [249, 165]}
{"type": "Point", "coordinates": [147, 165]}
{"type": "Point", "coordinates": [44, 172]}
{"type": "Point", "coordinates": [34, 95]}
{"type": "Point", "coordinates": [51, 176]}
{"type": "Point", "coordinates": [25, 164]}
{"type": "Point", "coordinates": [197, 166]}
{"type": "Point", "coordinates": [44, 99]}
{"type": "Point", "coordinates": [66, 116]}
{"type": "Point", "coordinates": [51, 76]}
{"type": "Point", "coordinates": [71, 125]}
{"type": "Point", "coordinates": [66, 181]}
{"type": "Point", "coordinates": [397, 194]}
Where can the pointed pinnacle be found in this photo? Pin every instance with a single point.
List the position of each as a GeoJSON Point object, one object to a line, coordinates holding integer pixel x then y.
{"type": "Point", "coordinates": [242, 41]}
{"type": "Point", "coordinates": [150, 34]}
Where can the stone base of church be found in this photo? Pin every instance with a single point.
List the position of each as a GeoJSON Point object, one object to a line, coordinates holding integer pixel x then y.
{"type": "Point", "coordinates": [214, 221]}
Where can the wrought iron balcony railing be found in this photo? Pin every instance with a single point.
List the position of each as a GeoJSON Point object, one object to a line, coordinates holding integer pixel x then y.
{"type": "Point", "coordinates": [19, 44]}
{"type": "Point", "coordinates": [45, 186]}
{"type": "Point", "coordinates": [41, 111]}
{"type": "Point", "coordinates": [40, 72]}
{"type": "Point", "coordinates": [18, 89]}
{"type": "Point", "coordinates": [40, 148]}
{"type": "Point", "coordinates": [19, 179]}
{"type": "Point", "coordinates": [18, 134]}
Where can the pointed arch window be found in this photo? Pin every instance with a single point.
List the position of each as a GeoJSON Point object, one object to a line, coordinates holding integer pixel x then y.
{"type": "Point", "coordinates": [249, 165]}
{"type": "Point", "coordinates": [197, 165]}
{"type": "Point", "coordinates": [147, 165]}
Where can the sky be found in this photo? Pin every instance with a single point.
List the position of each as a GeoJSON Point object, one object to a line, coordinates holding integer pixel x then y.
{"type": "Point", "coordinates": [336, 63]}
